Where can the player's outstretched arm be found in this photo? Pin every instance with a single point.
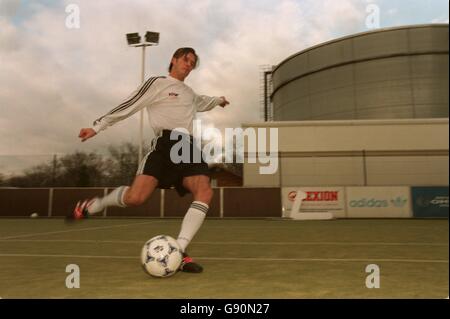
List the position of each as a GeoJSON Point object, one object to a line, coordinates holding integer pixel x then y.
{"type": "Point", "coordinates": [86, 133]}
{"type": "Point", "coordinates": [205, 103]}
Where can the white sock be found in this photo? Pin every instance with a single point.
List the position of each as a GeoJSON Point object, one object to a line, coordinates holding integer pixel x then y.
{"type": "Point", "coordinates": [115, 198]}
{"type": "Point", "coordinates": [191, 223]}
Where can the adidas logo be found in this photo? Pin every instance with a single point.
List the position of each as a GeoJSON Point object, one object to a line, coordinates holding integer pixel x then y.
{"type": "Point", "coordinates": [398, 202]}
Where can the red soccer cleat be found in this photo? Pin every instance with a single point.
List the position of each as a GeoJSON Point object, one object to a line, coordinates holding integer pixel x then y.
{"type": "Point", "coordinates": [188, 265]}
{"type": "Point", "coordinates": [80, 211]}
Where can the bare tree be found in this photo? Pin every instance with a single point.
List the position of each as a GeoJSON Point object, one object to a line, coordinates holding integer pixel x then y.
{"type": "Point", "coordinates": [123, 164]}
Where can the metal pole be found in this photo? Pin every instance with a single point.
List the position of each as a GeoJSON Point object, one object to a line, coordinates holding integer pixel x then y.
{"type": "Point", "coordinates": [141, 124]}
{"type": "Point", "coordinates": [266, 112]}
{"type": "Point", "coordinates": [54, 171]}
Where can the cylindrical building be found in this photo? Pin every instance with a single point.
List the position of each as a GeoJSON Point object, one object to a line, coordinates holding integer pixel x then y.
{"type": "Point", "coordinates": [395, 73]}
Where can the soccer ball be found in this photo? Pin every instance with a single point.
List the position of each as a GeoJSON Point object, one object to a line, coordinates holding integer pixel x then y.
{"type": "Point", "coordinates": [161, 256]}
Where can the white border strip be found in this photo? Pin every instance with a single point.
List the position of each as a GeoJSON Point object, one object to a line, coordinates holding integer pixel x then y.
{"type": "Point", "coordinates": [105, 211]}
{"type": "Point", "coordinates": [221, 202]}
{"type": "Point", "coordinates": [161, 203]}
{"type": "Point", "coordinates": [50, 202]}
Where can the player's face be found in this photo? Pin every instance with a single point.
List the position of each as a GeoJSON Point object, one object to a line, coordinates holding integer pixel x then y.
{"type": "Point", "coordinates": [183, 65]}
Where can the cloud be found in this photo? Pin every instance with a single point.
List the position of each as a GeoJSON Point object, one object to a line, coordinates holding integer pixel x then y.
{"type": "Point", "coordinates": [8, 8]}
{"type": "Point", "coordinates": [233, 63]}
{"type": "Point", "coordinates": [442, 19]}
{"type": "Point", "coordinates": [57, 80]}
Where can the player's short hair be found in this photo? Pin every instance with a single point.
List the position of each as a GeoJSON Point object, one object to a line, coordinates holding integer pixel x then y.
{"type": "Point", "coordinates": [182, 52]}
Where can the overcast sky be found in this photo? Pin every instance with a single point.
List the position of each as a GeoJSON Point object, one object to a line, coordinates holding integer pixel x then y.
{"type": "Point", "coordinates": [55, 80]}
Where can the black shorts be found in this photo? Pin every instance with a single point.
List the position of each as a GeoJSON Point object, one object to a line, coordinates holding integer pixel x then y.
{"type": "Point", "coordinates": [157, 162]}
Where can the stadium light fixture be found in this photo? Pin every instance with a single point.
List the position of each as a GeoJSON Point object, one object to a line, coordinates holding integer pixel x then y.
{"type": "Point", "coordinates": [134, 39]}
{"type": "Point", "coordinates": [152, 37]}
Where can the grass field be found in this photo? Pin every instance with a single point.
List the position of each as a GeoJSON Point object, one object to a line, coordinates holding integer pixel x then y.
{"type": "Point", "coordinates": [259, 258]}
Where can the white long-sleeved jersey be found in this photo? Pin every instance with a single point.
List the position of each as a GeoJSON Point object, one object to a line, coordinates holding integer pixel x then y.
{"type": "Point", "coordinates": [169, 102]}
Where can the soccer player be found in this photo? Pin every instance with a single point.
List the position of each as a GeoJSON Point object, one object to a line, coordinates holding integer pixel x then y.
{"type": "Point", "coordinates": [170, 105]}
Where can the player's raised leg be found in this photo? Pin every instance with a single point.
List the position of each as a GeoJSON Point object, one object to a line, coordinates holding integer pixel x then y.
{"type": "Point", "coordinates": [123, 196]}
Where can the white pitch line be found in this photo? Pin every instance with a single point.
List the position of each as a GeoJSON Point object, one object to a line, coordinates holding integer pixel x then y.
{"type": "Point", "coordinates": [78, 241]}
{"type": "Point", "coordinates": [73, 230]}
{"type": "Point", "coordinates": [439, 261]}
{"type": "Point", "coordinates": [325, 243]}
{"type": "Point", "coordinates": [328, 259]}
{"type": "Point", "coordinates": [267, 243]}
{"type": "Point", "coordinates": [68, 256]}
{"type": "Point", "coordinates": [313, 243]}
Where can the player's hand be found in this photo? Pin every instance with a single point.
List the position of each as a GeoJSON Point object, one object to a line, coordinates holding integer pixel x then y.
{"type": "Point", "coordinates": [225, 102]}
{"type": "Point", "coordinates": [86, 133]}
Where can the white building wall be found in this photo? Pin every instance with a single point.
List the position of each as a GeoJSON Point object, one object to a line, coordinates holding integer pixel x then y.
{"type": "Point", "coordinates": [357, 152]}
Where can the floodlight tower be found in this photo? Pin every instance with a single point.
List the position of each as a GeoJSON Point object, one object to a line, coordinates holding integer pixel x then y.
{"type": "Point", "coordinates": [134, 40]}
